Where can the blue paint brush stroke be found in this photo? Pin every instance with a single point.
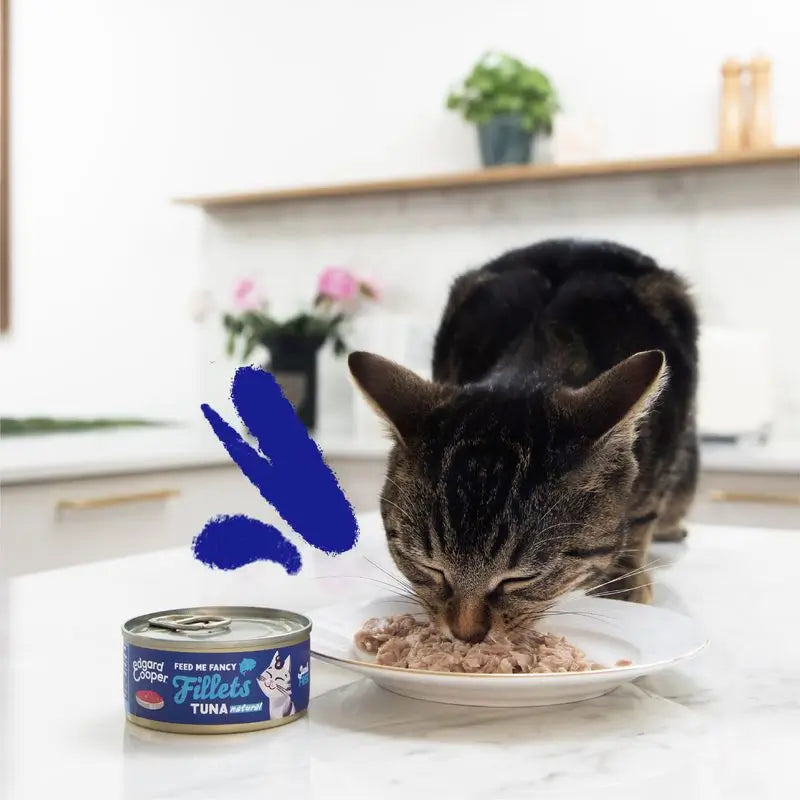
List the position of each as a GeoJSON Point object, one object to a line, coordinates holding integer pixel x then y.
{"type": "Point", "coordinates": [289, 473]}
{"type": "Point", "coordinates": [230, 542]}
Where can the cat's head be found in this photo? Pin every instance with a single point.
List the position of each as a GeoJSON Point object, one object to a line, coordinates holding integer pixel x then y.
{"type": "Point", "coordinates": [277, 677]}
{"type": "Point", "coordinates": [499, 499]}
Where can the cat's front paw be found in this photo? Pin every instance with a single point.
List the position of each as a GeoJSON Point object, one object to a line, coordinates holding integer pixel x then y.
{"type": "Point", "coordinates": [636, 588]}
{"type": "Point", "coordinates": [641, 594]}
{"type": "Point", "coordinates": [674, 535]}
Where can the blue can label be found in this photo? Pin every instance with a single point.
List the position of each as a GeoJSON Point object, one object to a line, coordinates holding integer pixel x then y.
{"type": "Point", "coordinates": [216, 688]}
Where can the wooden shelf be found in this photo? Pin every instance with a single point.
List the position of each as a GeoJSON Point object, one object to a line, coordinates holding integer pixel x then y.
{"type": "Point", "coordinates": [496, 176]}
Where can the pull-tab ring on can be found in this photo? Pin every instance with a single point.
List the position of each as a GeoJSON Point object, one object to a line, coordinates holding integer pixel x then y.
{"type": "Point", "coordinates": [197, 622]}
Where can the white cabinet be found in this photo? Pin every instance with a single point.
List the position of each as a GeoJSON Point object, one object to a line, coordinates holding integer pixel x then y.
{"type": "Point", "coordinates": [57, 523]}
{"type": "Point", "coordinates": [750, 499]}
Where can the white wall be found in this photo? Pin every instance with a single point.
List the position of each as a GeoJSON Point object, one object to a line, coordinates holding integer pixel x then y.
{"type": "Point", "coordinates": [120, 104]}
{"type": "Point", "coordinates": [100, 262]}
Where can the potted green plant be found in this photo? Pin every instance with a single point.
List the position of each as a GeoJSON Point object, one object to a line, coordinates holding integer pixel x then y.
{"type": "Point", "coordinates": [293, 343]}
{"type": "Point", "coordinates": [510, 103]}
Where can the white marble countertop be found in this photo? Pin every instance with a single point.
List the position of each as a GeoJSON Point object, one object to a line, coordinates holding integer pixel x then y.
{"type": "Point", "coordinates": [723, 726]}
{"type": "Point", "coordinates": [34, 459]}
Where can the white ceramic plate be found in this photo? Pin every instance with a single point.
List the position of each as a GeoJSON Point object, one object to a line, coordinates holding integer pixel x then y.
{"type": "Point", "coordinates": [651, 638]}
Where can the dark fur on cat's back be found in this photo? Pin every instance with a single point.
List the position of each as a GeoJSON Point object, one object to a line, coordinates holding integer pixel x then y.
{"type": "Point", "coordinates": [567, 311]}
{"type": "Point", "coordinates": [509, 483]}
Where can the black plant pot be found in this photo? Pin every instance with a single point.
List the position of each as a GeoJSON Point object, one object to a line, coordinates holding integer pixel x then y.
{"type": "Point", "coordinates": [504, 140]}
{"type": "Point", "coordinates": [293, 362]}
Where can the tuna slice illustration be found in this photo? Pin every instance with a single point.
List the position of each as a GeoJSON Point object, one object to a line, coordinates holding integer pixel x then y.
{"type": "Point", "coordinates": [149, 699]}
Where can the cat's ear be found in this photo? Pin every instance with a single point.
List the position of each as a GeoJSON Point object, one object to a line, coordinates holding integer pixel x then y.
{"type": "Point", "coordinates": [616, 399]}
{"type": "Point", "coordinates": [287, 664]}
{"type": "Point", "coordinates": [397, 394]}
{"type": "Point", "coordinates": [274, 660]}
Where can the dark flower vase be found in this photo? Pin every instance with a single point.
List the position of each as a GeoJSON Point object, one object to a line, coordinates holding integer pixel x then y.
{"type": "Point", "coordinates": [293, 362]}
{"type": "Point", "coordinates": [503, 140]}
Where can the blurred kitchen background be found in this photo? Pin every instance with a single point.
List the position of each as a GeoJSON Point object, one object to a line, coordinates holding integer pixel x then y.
{"type": "Point", "coordinates": [678, 133]}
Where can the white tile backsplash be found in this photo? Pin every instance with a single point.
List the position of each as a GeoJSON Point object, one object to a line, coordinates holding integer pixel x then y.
{"type": "Point", "coordinates": [734, 233]}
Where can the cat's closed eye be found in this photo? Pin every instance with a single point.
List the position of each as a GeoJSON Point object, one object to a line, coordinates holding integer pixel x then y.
{"type": "Point", "coordinates": [510, 585]}
{"type": "Point", "coordinates": [439, 577]}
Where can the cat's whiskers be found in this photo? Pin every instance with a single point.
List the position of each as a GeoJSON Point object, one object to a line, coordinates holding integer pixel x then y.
{"type": "Point", "coordinates": [355, 578]}
{"type": "Point", "coordinates": [398, 580]}
{"type": "Point", "coordinates": [548, 608]}
{"type": "Point", "coordinates": [406, 514]}
{"type": "Point", "coordinates": [395, 483]}
{"type": "Point", "coordinates": [402, 594]}
{"type": "Point", "coordinates": [587, 614]}
{"type": "Point", "coordinates": [524, 623]}
{"type": "Point", "coordinates": [406, 593]}
{"type": "Point", "coordinates": [623, 591]}
{"type": "Point", "coordinates": [406, 587]}
{"type": "Point", "coordinates": [629, 574]}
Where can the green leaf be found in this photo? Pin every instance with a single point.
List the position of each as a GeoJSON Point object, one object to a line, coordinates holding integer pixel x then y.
{"type": "Point", "coordinates": [502, 84]}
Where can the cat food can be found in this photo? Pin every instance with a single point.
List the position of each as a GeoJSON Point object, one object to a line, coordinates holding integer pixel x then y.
{"type": "Point", "coordinates": [222, 669]}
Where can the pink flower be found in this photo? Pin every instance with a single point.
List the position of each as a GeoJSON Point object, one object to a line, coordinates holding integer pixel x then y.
{"type": "Point", "coordinates": [337, 283]}
{"type": "Point", "coordinates": [246, 296]}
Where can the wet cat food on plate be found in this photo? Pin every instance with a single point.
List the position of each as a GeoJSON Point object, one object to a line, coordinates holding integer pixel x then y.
{"type": "Point", "coordinates": [216, 670]}
{"type": "Point", "coordinates": [405, 641]}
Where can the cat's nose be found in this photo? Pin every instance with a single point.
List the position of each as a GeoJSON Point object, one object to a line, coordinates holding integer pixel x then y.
{"type": "Point", "coordinates": [468, 620]}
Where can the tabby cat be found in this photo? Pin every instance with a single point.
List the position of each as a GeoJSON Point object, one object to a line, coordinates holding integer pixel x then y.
{"type": "Point", "coordinates": [556, 439]}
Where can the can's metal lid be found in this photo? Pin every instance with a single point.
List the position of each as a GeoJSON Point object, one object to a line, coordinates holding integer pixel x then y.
{"type": "Point", "coordinates": [216, 627]}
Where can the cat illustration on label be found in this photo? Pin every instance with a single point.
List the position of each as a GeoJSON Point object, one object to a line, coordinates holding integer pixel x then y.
{"type": "Point", "coordinates": [276, 684]}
